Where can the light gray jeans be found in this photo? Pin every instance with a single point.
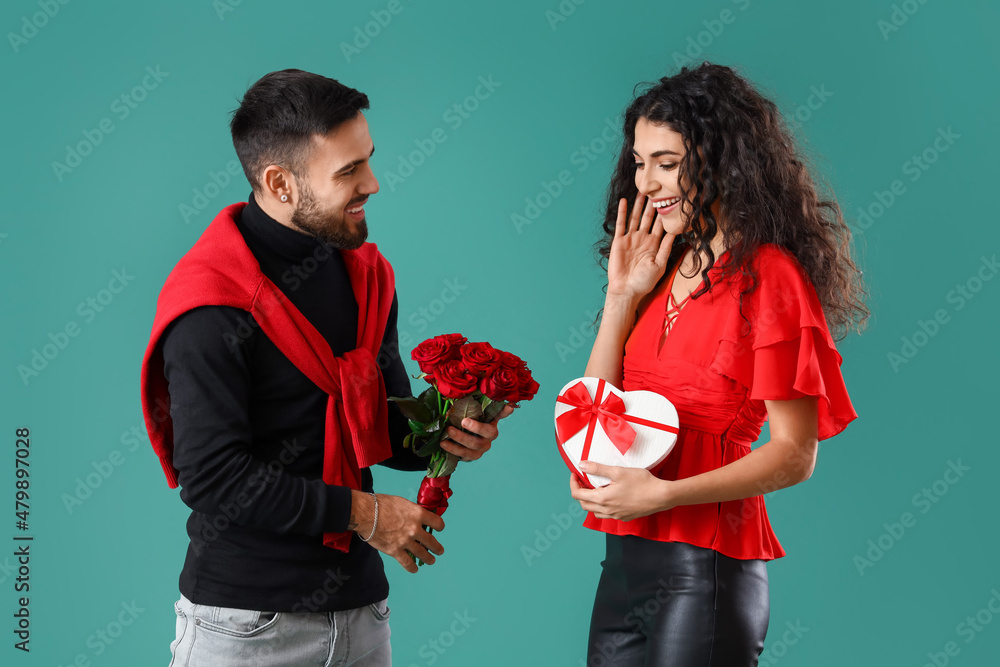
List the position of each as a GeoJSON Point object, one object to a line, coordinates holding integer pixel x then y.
{"type": "Point", "coordinates": [227, 637]}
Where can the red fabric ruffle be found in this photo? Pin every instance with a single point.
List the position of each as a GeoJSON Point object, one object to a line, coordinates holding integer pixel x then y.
{"type": "Point", "coordinates": [789, 352]}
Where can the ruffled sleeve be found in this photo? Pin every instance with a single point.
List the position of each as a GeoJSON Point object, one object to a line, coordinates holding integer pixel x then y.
{"type": "Point", "coordinates": [789, 351]}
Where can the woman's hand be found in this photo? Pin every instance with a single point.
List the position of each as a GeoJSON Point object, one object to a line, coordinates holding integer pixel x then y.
{"type": "Point", "coordinates": [638, 256]}
{"type": "Point", "coordinates": [632, 493]}
{"type": "Point", "coordinates": [637, 261]}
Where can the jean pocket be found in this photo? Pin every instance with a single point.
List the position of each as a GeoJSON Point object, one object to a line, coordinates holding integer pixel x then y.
{"type": "Point", "coordinates": [235, 622]}
{"type": "Point", "coordinates": [380, 609]}
{"type": "Point", "coordinates": [179, 633]}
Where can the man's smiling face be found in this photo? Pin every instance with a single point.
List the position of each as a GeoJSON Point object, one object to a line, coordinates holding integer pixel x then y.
{"type": "Point", "coordinates": [335, 183]}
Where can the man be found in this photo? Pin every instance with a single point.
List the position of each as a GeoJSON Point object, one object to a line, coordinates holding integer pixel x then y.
{"type": "Point", "coordinates": [265, 403]}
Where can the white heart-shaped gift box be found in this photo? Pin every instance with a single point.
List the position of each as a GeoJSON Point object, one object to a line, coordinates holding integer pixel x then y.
{"type": "Point", "coordinates": [643, 423]}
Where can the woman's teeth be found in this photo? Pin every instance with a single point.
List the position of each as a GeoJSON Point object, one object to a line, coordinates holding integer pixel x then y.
{"type": "Point", "coordinates": [666, 202]}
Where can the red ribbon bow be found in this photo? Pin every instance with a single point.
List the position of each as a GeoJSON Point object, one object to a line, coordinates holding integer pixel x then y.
{"type": "Point", "coordinates": [434, 493]}
{"type": "Point", "coordinates": [587, 412]}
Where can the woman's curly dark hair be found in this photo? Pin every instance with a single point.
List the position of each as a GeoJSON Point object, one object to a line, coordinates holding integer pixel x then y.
{"type": "Point", "coordinates": [748, 163]}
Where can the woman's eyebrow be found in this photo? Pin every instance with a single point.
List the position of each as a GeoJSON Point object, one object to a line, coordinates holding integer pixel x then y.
{"type": "Point", "coordinates": [657, 153]}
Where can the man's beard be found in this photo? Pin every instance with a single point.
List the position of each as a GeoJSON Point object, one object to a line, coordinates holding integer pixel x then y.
{"type": "Point", "coordinates": [327, 225]}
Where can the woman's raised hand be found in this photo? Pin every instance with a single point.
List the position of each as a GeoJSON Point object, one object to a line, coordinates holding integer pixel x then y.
{"type": "Point", "coordinates": [639, 251]}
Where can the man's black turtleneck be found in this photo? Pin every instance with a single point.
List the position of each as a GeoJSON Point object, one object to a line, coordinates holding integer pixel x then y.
{"type": "Point", "coordinates": [248, 440]}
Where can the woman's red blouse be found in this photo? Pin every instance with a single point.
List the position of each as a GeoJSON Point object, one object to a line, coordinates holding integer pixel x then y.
{"type": "Point", "coordinates": [718, 381]}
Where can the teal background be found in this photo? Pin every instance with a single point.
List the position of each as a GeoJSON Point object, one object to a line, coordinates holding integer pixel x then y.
{"type": "Point", "coordinates": [532, 291]}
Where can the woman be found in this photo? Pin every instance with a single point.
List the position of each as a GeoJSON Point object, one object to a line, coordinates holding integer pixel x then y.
{"type": "Point", "coordinates": [724, 282]}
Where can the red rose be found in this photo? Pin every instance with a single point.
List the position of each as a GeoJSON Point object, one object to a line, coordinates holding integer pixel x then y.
{"type": "Point", "coordinates": [455, 340]}
{"type": "Point", "coordinates": [434, 351]}
{"type": "Point", "coordinates": [480, 358]}
{"type": "Point", "coordinates": [454, 380]}
{"type": "Point", "coordinates": [503, 385]}
{"type": "Point", "coordinates": [527, 386]}
{"type": "Point", "coordinates": [510, 361]}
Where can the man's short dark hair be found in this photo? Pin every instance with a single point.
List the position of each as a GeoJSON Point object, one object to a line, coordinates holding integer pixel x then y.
{"type": "Point", "coordinates": [279, 114]}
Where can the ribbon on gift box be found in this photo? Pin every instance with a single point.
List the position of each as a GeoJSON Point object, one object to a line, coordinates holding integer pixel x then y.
{"type": "Point", "coordinates": [610, 413]}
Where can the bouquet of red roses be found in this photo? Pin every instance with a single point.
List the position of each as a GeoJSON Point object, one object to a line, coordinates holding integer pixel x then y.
{"type": "Point", "coordinates": [468, 380]}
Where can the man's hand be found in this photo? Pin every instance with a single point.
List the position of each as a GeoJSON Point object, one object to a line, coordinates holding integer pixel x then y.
{"type": "Point", "coordinates": [400, 527]}
{"type": "Point", "coordinates": [471, 446]}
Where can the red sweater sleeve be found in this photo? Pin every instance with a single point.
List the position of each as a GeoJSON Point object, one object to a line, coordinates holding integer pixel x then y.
{"type": "Point", "coordinates": [789, 352]}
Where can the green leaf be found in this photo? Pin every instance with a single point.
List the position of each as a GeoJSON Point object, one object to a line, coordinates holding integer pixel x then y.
{"type": "Point", "coordinates": [418, 429]}
{"type": "Point", "coordinates": [450, 463]}
{"type": "Point", "coordinates": [432, 444]}
{"type": "Point", "coordinates": [413, 408]}
{"type": "Point", "coordinates": [429, 399]}
{"type": "Point", "coordinates": [408, 440]}
{"type": "Point", "coordinates": [492, 410]}
{"type": "Point", "coordinates": [463, 408]}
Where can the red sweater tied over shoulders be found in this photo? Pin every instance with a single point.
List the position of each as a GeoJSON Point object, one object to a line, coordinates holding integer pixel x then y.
{"type": "Point", "coordinates": [220, 270]}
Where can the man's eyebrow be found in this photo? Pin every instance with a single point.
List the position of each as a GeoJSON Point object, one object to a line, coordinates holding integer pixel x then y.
{"type": "Point", "coordinates": [351, 165]}
{"type": "Point", "coordinates": [657, 153]}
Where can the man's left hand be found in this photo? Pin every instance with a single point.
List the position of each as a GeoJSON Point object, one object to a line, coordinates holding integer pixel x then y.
{"type": "Point", "coordinates": [471, 446]}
